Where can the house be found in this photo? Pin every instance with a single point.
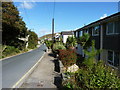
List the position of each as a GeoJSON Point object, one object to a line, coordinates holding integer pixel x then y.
{"type": "Point", "coordinates": [66, 34]}
{"type": "Point", "coordinates": [57, 36]}
{"type": "Point", "coordinates": [106, 33]}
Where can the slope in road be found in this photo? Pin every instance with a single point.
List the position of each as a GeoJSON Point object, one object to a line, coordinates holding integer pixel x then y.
{"type": "Point", "coordinates": [14, 68]}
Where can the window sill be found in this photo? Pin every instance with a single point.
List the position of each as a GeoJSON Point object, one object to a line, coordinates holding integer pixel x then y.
{"type": "Point", "coordinates": [113, 34]}
{"type": "Point", "coordinates": [96, 35]}
{"type": "Point", "coordinates": [112, 66]}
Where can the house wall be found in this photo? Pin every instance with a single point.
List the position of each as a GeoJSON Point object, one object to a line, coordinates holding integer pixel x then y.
{"type": "Point", "coordinates": [111, 42]}
{"type": "Point", "coordinates": [65, 38]}
{"type": "Point", "coordinates": [104, 41]}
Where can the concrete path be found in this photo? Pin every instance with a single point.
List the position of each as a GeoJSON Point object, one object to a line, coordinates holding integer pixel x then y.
{"type": "Point", "coordinates": [46, 75]}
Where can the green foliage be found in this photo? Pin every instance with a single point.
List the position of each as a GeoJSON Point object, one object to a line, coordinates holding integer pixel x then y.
{"type": "Point", "coordinates": [71, 42]}
{"type": "Point", "coordinates": [90, 60]}
{"type": "Point", "coordinates": [99, 76]}
{"type": "Point", "coordinates": [49, 43]}
{"type": "Point", "coordinates": [10, 50]}
{"type": "Point", "coordinates": [12, 25]}
{"type": "Point", "coordinates": [32, 40]}
{"type": "Point", "coordinates": [94, 75]}
{"type": "Point", "coordinates": [85, 40]}
{"type": "Point", "coordinates": [57, 46]}
{"type": "Point", "coordinates": [68, 57]}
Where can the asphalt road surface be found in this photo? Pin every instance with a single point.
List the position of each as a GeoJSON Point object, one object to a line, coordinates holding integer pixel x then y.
{"type": "Point", "coordinates": [15, 67]}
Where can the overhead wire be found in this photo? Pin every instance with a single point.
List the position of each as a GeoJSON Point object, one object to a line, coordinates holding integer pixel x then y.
{"type": "Point", "coordinates": [26, 14]}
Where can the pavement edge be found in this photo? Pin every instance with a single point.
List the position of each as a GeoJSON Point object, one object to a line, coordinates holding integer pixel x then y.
{"type": "Point", "coordinates": [24, 77]}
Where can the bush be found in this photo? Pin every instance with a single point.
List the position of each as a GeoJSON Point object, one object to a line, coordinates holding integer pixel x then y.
{"type": "Point", "coordinates": [49, 44]}
{"type": "Point", "coordinates": [85, 40]}
{"type": "Point", "coordinates": [99, 76]}
{"type": "Point", "coordinates": [32, 40]}
{"type": "Point", "coordinates": [68, 57]}
{"type": "Point", "coordinates": [71, 42]}
{"type": "Point", "coordinates": [57, 46]}
{"type": "Point", "coordinates": [10, 50]}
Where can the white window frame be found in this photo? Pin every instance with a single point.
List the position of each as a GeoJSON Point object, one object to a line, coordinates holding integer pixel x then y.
{"type": "Point", "coordinates": [87, 31]}
{"type": "Point", "coordinates": [113, 59]}
{"type": "Point", "coordinates": [76, 34]}
{"type": "Point", "coordinates": [80, 33]}
{"type": "Point", "coordinates": [93, 31]}
{"type": "Point", "coordinates": [113, 29]}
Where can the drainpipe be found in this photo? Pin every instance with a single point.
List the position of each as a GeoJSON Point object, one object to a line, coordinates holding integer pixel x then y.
{"type": "Point", "coordinates": [101, 41]}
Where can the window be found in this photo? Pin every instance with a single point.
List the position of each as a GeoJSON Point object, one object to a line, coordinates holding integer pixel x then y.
{"type": "Point", "coordinates": [110, 28]}
{"type": "Point", "coordinates": [116, 59]}
{"type": "Point", "coordinates": [110, 57]}
{"type": "Point", "coordinates": [86, 31]}
{"type": "Point", "coordinates": [80, 33]}
{"type": "Point", "coordinates": [95, 31]}
{"type": "Point", "coordinates": [113, 58]}
{"type": "Point", "coordinates": [113, 28]}
{"type": "Point", "coordinates": [117, 27]}
{"type": "Point", "coordinates": [76, 33]}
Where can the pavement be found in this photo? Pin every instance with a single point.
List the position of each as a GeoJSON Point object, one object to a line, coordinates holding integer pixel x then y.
{"type": "Point", "coordinates": [14, 68]}
{"type": "Point", "coordinates": [46, 75]}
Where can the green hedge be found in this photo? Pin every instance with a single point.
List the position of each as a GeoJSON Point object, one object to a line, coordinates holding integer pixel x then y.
{"type": "Point", "coordinates": [10, 50]}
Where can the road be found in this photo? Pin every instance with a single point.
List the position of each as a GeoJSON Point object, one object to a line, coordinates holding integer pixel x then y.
{"type": "Point", "coordinates": [15, 67]}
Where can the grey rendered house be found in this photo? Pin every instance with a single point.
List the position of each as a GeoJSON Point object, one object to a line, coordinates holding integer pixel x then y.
{"type": "Point", "coordinates": [106, 33]}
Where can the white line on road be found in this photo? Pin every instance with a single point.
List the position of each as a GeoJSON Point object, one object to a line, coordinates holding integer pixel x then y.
{"type": "Point", "coordinates": [21, 81]}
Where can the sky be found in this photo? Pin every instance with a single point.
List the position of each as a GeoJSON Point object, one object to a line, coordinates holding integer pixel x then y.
{"type": "Point", "coordinates": [67, 15]}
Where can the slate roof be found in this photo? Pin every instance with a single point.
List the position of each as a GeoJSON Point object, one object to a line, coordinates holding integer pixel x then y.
{"type": "Point", "coordinates": [67, 33]}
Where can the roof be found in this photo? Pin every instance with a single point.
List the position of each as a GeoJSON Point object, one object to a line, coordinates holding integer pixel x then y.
{"type": "Point", "coordinates": [67, 33]}
{"type": "Point", "coordinates": [101, 21]}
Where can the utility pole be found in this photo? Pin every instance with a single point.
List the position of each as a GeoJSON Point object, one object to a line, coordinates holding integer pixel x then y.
{"type": "Point", "coordinates": [53, 30]}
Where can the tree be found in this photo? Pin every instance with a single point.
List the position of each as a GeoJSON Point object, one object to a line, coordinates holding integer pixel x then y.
{"type": "Point", "coordinates": [32, 40]}
{"type": "Point", "coordinates": [13, 26]}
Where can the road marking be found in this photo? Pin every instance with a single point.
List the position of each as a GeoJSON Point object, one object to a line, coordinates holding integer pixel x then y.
{"type": "Point", "coordinates": [20, 82]}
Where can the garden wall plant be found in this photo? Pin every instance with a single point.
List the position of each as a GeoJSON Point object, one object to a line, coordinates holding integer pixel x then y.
{"type": "Point", "coordinates": [68, 57]}
{"type": "Point", "coordinates": [58, 46]}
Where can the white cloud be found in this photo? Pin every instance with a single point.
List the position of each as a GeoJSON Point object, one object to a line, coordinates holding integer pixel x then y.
{"type": "Point", "coordinates": [44, 31]}
{"type": "Point", "coordinates": [105, 15]}
{"type": "Point", "coordinates": [27, 5]}
{"type": "Point", "coordinates": [20, 13]}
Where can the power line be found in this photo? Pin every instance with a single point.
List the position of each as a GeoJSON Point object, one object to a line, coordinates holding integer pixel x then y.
{"type": "Point", "coordinates": [26, 14]}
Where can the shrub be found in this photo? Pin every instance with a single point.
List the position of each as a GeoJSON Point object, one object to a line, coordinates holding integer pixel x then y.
{"type": "Point", "coordinates": [71, 42]}
{"type": "Point", "coordinates": [99, 76]}
{"type": "Point", "coordinates": [68, 57]}
{"type": "Point", "coordinates": [70, 83]}
{"type": "Point", "coordinates": [49, 44]}
{"type": "Point", "coordinates": [57, 46]}
{"type": "Point", "coordinates": [10, 50]}
{"type": "Point", "coordinates": [84, 40]}
{"type": "Point", "coordinates": [91, 55]}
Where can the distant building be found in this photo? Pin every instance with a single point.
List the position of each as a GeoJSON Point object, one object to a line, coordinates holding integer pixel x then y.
{"type": "Point", "coordinates": [66, 34]}
{"type": "Point", "coordinates": [57, 36]}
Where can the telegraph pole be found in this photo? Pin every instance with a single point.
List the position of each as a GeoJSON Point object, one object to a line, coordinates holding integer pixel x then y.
{"type": "Point", "coordinates": [53, 30]}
